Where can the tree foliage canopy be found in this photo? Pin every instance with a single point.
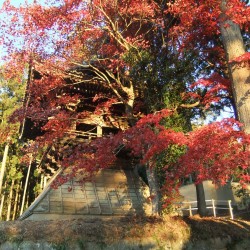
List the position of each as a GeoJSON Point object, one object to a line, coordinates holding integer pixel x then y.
{"type": "Point", "coordinates": [146, 55]}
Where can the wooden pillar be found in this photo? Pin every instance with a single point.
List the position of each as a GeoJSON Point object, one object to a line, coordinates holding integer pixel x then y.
{"type": "Point", "coordinates": [45, 181]}
{"type": "Point", "coordinates": [41, 182]}
{"type": "Point", "coordinates": [99, 131]}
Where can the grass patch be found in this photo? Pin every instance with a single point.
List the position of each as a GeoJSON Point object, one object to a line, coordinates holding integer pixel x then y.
{"type": "Point", "coordinates": [150, 231]}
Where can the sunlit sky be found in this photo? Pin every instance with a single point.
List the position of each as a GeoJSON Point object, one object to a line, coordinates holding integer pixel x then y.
{"type": "Point", "coordinates": [16, 2]}
{"type": "Point", "coordinates": [20, 2]}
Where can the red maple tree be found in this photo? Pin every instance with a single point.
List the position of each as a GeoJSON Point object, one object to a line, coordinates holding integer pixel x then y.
{"type": "Point", "coordinates": [108, 38]}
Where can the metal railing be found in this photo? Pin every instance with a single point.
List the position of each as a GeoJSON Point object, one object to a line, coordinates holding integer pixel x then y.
{"type": "Point", "coordinates": [213, 204]}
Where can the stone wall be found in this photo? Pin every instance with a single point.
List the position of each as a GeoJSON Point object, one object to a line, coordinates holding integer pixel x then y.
{"type": "Point", "coordinates": [150, 244]}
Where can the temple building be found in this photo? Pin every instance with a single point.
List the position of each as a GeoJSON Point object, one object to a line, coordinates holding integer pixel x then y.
{"type": "Point", "coordinates": [117, 191]}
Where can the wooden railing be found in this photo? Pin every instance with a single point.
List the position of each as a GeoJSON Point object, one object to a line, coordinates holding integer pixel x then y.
{"type": "Point", "coordinates": [83, 134]}
{"type": "Point", "coordinates": [210, 204]}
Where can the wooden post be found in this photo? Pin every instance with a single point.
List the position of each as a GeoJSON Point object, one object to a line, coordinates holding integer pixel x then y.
{"type": "Point", "coordinates": [230, 209]}
{"type": "Point", "coordinates": [45, 181]}
{"type": "Point", "coordinates": [99, 131]}
{"type": "Point", "coordinates": [214, 211]}
{"type": "Point", "coordinates": [190, 210]}
{"type": "Point", "coordinates": [41, 183]}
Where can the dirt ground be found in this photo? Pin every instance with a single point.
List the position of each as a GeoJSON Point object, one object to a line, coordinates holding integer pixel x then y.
{"type": "Point", "coordinates": [114, 229]}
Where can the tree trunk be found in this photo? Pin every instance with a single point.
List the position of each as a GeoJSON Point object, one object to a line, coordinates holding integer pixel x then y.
{"type": "Point", "coordinates": [129, 105]}
{"type": "Point", "coordinates": [16, 201]}
{"type": "Point", "coordinates": [26, 99]}
{"type": "Point", "coordinates": [5, 155]}
{"type": "Point", "coordinates": [240, 75]}
{"type": "Point", "coordinates": [2, 201]}
{"type": "Point", "coordinates": [1, 206]}
{"type": "Point", "coordinates": [154, 190]}
{"type": "Point", "coordinates": [19, 202]}
{"type": "Point", "coordinates": [10, 200]}
{"type": "Point", "coordinates": [201, 200]}
{"type": "Point", "coordinates": [26, 185]}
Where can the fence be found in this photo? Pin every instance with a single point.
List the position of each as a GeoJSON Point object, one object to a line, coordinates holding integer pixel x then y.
{"type": "Point", "coordinates": [214, 205]}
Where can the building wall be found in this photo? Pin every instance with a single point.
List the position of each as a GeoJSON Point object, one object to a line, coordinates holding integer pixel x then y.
{"type": "Point", "coordinates": [227, 192]}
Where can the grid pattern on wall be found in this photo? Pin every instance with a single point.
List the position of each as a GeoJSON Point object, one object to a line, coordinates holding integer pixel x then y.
{"type": "Point", "coordinates": [112, 192]}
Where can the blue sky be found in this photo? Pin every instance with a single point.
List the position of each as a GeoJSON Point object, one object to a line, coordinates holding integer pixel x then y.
{"type": "Point", "coordinates": [15, 2]}
{"type": "Point", "coordinates": [18, 2]}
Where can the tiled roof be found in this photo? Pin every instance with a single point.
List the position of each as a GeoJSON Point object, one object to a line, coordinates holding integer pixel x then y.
{"type": "Point", "coordinates": [112, 192]}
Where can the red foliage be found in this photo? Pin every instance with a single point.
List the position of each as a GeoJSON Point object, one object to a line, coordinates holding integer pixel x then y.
{"type": "Point", "coordinates": [215, 151]}
{"type": "Point", "coordinates": [59, 31]}
{"type": "Point", "coordinates": [54, 38]}
{"type": "Point", "coordinates": [198, 29]}
{"type": "Point", "coordinates": [5, 132]}
{"type": "Point", "coordinates": [198, 20]}
{"type": "Point", "coordinates": [216, 87]}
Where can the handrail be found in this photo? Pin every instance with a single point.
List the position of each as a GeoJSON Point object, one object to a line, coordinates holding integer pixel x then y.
{"type": "Point", "coordinates": [213, 207]}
